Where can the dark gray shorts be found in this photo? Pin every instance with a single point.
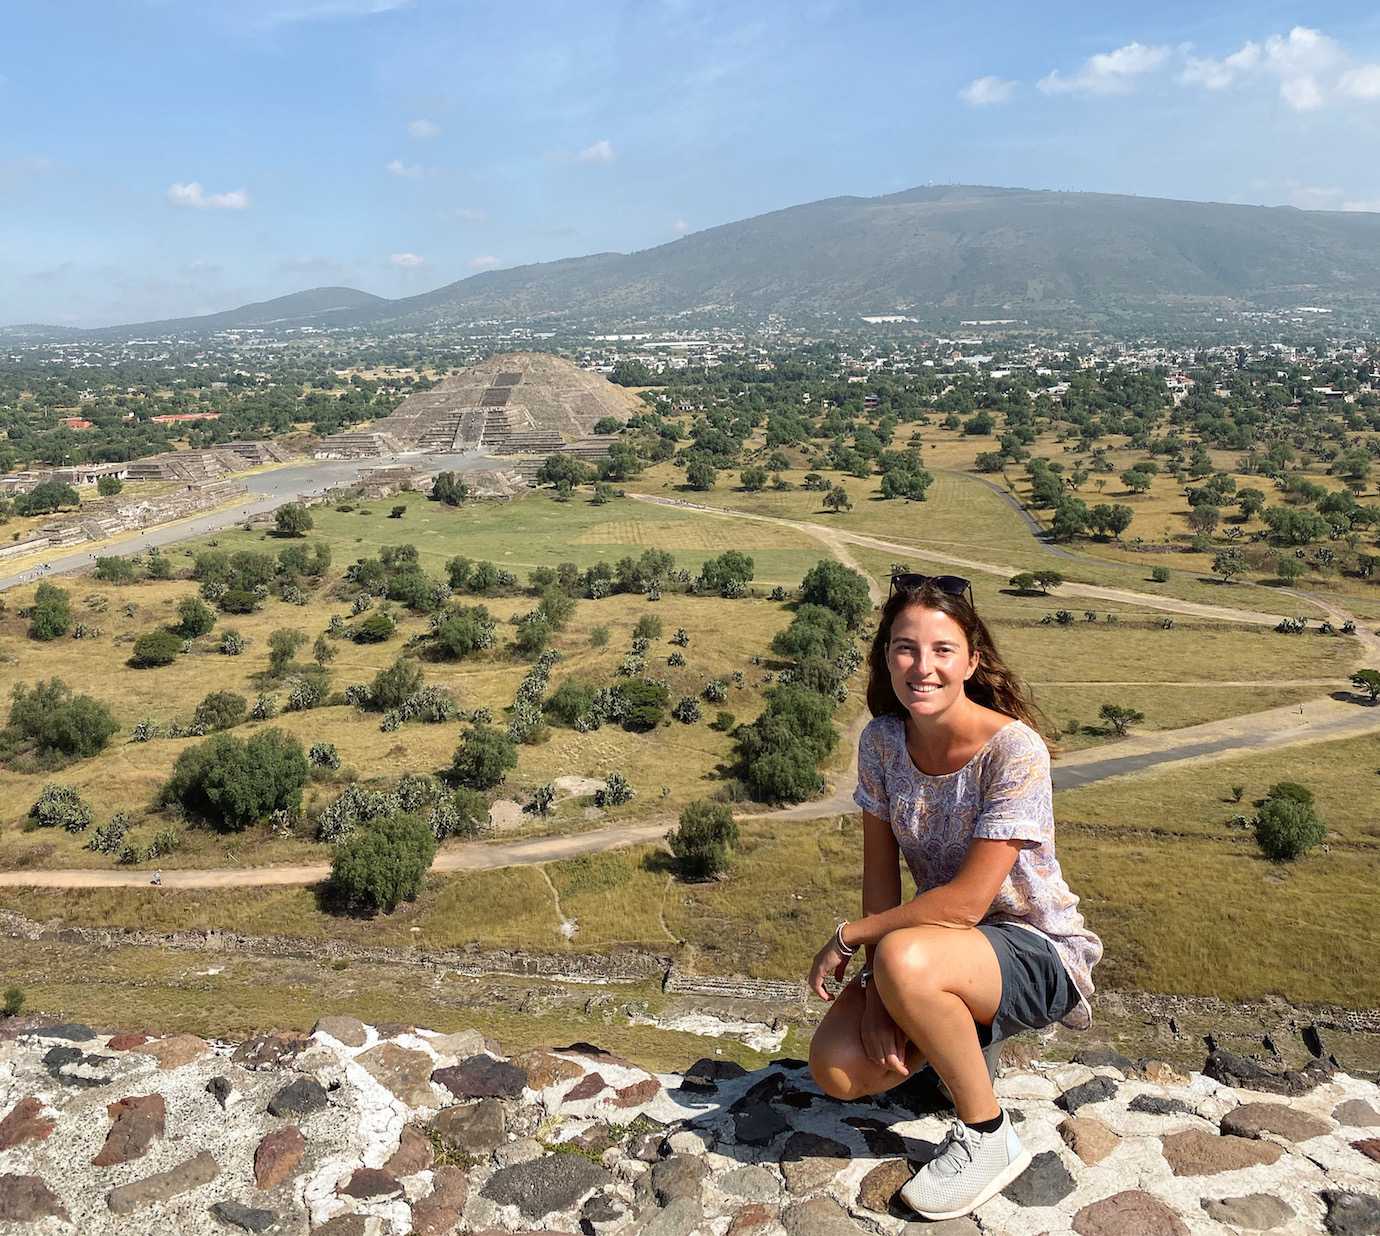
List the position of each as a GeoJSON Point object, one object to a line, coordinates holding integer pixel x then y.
{"type": "Point", "coordinates": [1036, 990]}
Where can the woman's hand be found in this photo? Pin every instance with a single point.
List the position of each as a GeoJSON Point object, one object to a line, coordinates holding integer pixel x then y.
{"type": "Point", "coordinates": [883, 1041]}
{"type": "Point", "coordinates": [829, 960]}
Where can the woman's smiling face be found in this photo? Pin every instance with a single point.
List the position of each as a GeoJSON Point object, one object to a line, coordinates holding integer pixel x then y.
{"type": "Point", "coordinates": [929, 659]}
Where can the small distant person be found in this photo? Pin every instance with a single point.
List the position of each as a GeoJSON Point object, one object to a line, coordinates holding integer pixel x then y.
{"type": "Point", "coordinates": [953, 775]}
{"type": "Point", "coordinates": [157, 877]}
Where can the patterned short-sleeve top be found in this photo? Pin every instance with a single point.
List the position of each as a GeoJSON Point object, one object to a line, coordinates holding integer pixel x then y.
{"type": "Point", "coordinates": [1003, 794]}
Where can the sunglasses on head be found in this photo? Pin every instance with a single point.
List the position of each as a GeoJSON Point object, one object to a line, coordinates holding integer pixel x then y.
{"type": "Point", "coordinates": [952, 585]}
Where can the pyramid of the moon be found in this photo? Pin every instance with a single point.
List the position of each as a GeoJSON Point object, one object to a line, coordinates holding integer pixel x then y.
{"type": "Point", "coordinates": [519, 403]}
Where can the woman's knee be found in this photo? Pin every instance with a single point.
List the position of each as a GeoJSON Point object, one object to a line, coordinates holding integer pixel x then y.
{"type": "Point", "coordinates": [903, 960]}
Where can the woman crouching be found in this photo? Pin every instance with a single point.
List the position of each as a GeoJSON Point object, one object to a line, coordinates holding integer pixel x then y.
{"type": "Point", "coordinates": [953, 774]}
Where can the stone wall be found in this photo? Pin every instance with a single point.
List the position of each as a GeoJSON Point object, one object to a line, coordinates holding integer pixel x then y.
{"type": "Point", "coordinates": [387, 1130]}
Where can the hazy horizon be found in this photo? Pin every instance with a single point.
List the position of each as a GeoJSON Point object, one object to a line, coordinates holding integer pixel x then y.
{"type": "Point", "coordinates": [165, 160]}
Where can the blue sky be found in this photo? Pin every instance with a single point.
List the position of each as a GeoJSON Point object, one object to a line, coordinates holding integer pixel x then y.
{"type": "Point", "coordinates": [170, 157]}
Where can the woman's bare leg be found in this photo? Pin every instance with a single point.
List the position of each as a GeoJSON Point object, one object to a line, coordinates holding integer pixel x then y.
{"type": "Point", "coordinates": [938, 983]}
{"type": "Point", "coordinates": [837, 1061]}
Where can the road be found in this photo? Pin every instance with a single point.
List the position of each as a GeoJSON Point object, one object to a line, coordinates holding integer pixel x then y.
{"type": "Point", "coordinates": [267, 491]}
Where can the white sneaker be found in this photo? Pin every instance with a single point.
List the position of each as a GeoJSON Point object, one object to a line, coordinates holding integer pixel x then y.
{"type": "Point", "coordinates": [969, 1169]}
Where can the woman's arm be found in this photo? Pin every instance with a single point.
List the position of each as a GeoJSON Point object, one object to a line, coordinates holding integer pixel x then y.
{"type": "Point", "coordinates": [962, 902]}
{"type": "Point", "coordinates": [881, 869]}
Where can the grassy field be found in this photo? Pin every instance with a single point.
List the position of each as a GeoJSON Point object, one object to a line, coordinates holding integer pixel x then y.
{"type": "Point", "coordinates": [1194, 909]}
{"type": "Point", "coordinates": [667, 768]}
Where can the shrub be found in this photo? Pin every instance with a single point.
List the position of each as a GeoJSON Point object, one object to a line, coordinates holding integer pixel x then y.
{"type": "Point", "coordinates": [55, 724]}
{"type": "Point", "coordinates": [483, 758]}
{"type": "Point", "coordinates": [383, 864]}
{"type": "Point", "coordinates": [51, 615]}
{"type": "Point", "coordinates": [465, 813]}
{"type": "Point", "coordinates": [704, 842]}
{"type": "Point", "coordinates": [599, 637]}
{"type": "Point", "coordinates": [1159, 575]}
{"type": "Point", "coordinates": [374, 629]}
{"type": "Point", "coordinates": [687, 710]}
{"type": "Point", "coordinates": [1292, 791]}
{"type": "Point", "coordinates": [614, 792]}
{"type": "Point", "coordinates": [836, 587]}
{"type": "Point", "coordinates": [108, 486]}
{"type": "Point", "coordinates": [392, 686]}
{"type": "Point", "coordinates": [723, 722]}
{"type": "Point", "coordinates": [221, 710]}
{"type": "Point", "coordinates": [1287, 828]}
{"type": "Point", "coordinates": [782, 749]}
{"type": "Point", "coordinates": [307, 691]}
{"type": "Point", "coordinates": [462, 632]}
{"type": "Point", "coordinates": [108, 838]}
{"type": "Point", "coordinates": [115, 570]}
{"type": "Point", "coordinates": [233, 784]}
{"type": "Point", "coordinates": [676, 660]}
{"type": "Point", "coordinates": [155, 648]}
{"type": "Point", "coordinates": [533, 633]}
{"type": "Point", "coordinates": [293, 520]}
{"type": "Point", "coordinates": [282, 647]}
{"type": "Point", "coordinates": [232, 643]}
{"type": "Point", "coordinates": [814, 632]}
{"type": "Point", "coordinates": [14, 1002]}
{"type": "Point", "coordinates": [681, 638]}
{"type": "Point", "coordinates": [643, 704]}
{"type": "Point", "coordinates": [265, 707]}
{"type": "Point", "coordinates": [570, 701]}
{"type": "Point", "coordinates": [728, 574]}
{"type": "Point", "coordinates": [648, 627]}
{"type": "Point", "coordinates": [60, 806]}
{"type": "Point", "coordinates": [159, 566]}
{"type": "Point", "coordinates": [237, 601]}
{"type": "Point", "coordinates": [194, 618]}
{"type": "Point", "coordinates": [542, 798]}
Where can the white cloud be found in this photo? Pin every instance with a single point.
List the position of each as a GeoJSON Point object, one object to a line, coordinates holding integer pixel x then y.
{"type": "Point", "coordinates": [599, 152]}
{"type": "Point", "coordinates": [407, 261]}
{"type": "Point", "coordinates": [408, 171]}
{"type": "Point", "coordinates": [1320, 197]}
{"type": "Point", "coordinates": [486, 262]}
{"type": "Point", "coordinates": [423, 129]}
{"type": "Point", "coordinates": [985, 91]}
{"type": "Point", "coordinates": [1361, 83]}
{"type": "Point", "coordinates": [193, 195]}
{"type": "Point", "coordinates": [277, 13]}
{"type": "Point", "coordinates": [680, 227]}
{"type": "Point", "coordinates": [1113, 72]}
{"type": "Point", "coordinates": [1311, 68]}
{"type": "Point", "coordinates": [471, 214]}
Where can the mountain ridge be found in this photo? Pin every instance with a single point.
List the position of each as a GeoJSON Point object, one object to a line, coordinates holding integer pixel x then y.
{"type": "Point", "coordinates": [936, 250]}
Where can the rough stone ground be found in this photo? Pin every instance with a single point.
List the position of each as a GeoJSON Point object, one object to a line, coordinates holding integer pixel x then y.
{"type": "Point", "coordinates": [383, 1130]}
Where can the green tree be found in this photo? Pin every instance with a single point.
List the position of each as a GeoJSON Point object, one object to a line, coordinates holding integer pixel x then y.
{"type": "Point", "coordinates": [55, 725]}
{"type": "Point", "coordinates": [282, 647]}
{"type": "Point", "coordinates": [729, 574]}
{"type": "Point", "coordinates": [835, 586]}
{"type": "Point", "coordinates": [703, 844]}
{"type": "Point", "coordinates": [51, 616]}
{"type": "Point", "coordinates": [234, 784]}
{"type": "Point", "coordinates": [115, 570]}
{"type": "Point", "coordinates": [462, 633]}
{"type": "Point", "coordinates": [1024, 582]}
{"type": "Point", "coordinates": [753, 479]}
{"type": "Point", "coordinates": [1048, 580]}
{"type": "Point", "coordinates": [382, 864]}
{"type": "Point", "coordinates": [1120, 718]}
{"type": "Point", "coordinates": [1288, 569]}
{"type": "Point", "coordinates": [1367, 680]}
{"type": "Point", "coordinates": [1137, 481]}
{"type": "Point", "coordinates": [221, 710]}
{"type": "Point", "coordinates": [1285, 829]}
{"type": "Point", "coordinates": [1229, 563]}
{"type": "Point", "coordinates": [108, 486]}
{"type": "Point", "coordinates": [45, 498]}
{"type": "Point", "coordinates": [372, 630]}
{"type": "Point", "coordinates": [194, 618]}
{"type": "Point", "coordinates": [60, 806]}
{"type": "Point", "coordinates": [450, 489]}
{"type": "Point", "coordinates": [837, 500]}
{"type": "Point", "coordinates": [644, 704]}
{"type": "Point", "coordinates": [395, 684]}
{"type": "Point", "coordinates": [155, 648]}
{"type": "Point", "coordinates": [700, 473]}
{"type": "Point", "coordinates": [293, 519]}
{"type": "Point", "coordinates": [483, 759]}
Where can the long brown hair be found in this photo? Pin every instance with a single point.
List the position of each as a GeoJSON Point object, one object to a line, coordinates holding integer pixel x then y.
{"type": "Point", "coordinates": [993, 684]}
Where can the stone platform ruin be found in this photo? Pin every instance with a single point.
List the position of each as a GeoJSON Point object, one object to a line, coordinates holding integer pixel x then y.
{"type": "Point", "coordinates": [519, 403]}
{"type": "Point", "coordinates": [359, 1130]}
